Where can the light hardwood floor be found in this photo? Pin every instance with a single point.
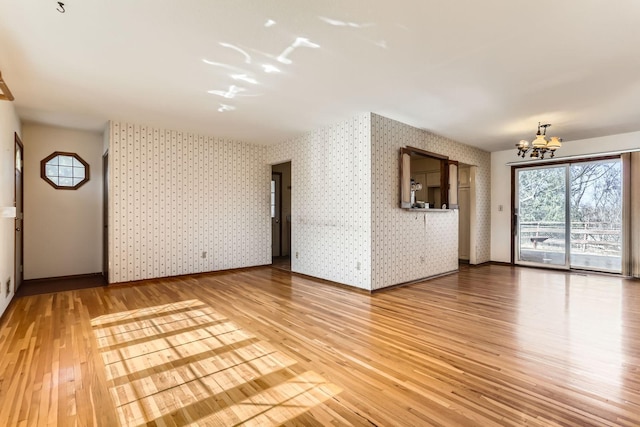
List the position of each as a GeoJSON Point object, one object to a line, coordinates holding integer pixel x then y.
{"type": "Point", "coordinates": [492, 345]}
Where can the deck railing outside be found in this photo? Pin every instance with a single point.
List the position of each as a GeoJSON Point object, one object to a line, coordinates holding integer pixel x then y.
{"type": "Point", "coordinates": [598, 238]}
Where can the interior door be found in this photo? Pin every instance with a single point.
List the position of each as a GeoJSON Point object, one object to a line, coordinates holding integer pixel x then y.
{"type": "Point", "coordinates": [19, 194]}
{"type": "Point", "coordinates": [464, 213]}
{"type": "Point", "coordinates": [276, 213]}
{"type": "Point", "coordinates": [541, 209]}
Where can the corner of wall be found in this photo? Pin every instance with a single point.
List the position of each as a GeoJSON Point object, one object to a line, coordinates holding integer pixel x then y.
{"type": "Point", "coordinates": [106, 137]}
{"type": "Point", "coordinates": [331, 200]}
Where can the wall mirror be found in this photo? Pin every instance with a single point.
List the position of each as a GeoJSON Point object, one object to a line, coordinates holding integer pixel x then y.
{"type": "Point", "coordinates": [427, 180]}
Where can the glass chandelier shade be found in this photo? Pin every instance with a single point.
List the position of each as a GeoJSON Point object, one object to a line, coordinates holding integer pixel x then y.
{"type": "Point", "coordinates": [539, 146]}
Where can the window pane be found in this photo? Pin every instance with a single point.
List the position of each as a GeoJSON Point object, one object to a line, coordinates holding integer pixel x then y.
{"type": "Point", "coordinates": [273, 211]}
{"type": "Point", "coordinates": [66, 171]}
{"type": "Point", "coordinates": [18, 160]}
{"type": "Point", "coordinates": [65, 182]}
{"type": "Point", "coordinates": [54, 179]}
{"type": "Point", "coordinates": [273, 186]}
{"type": "Point", "coordinates": [77, 181]}
{"type": "Point", "coordinates": [78, 172]}
{"type": "Point", "coordinates": [65, 160]}
{"type": "Point", "coordinates": [76, 163]}
{"type": "Point", "coordinates": [53, 161]}
{"type": "Point", "coordinates": [51, 170]}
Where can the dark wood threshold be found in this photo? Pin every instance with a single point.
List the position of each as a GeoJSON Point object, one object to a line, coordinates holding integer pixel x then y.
{"type": "Point", "coordinates": [59, 278]}
{"type": "Point", "coordinates": [60, 284]}
{"type": "Point", "coordinates": [281, 262]}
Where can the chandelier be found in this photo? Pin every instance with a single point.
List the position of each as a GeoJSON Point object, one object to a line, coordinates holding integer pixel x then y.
{"type": "Point", "coordinates": [539, 146]}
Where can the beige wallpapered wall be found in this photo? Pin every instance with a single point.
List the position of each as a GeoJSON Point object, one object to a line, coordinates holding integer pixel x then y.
{"type": "Point", "coordinates": [175, 195]}
{"type": "Point", "coordinates": [331, 201]}
{"type": "Point", "coordinates": [409, 245]}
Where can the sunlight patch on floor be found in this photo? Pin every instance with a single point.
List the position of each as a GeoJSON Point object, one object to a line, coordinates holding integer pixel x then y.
{"type": "Point", "coordinates": [184, 363]}
{"type": "Point", "coordinates": [279, 403]}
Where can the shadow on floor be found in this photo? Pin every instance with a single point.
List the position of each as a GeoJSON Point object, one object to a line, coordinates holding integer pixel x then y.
{"type": "Point", "coordinates": [46, 286]}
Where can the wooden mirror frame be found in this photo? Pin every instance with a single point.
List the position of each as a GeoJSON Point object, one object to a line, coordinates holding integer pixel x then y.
{"type": "Point", "coordinates": [448, 190]}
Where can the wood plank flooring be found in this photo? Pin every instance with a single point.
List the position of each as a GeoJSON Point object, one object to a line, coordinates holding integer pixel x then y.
{"type": "Point", "coordinates": [490, 346]}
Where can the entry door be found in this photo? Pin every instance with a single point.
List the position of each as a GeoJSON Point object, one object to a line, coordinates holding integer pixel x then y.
{"type": "Point", "coordinates": [541, 216]}
{"type": "Point", "coordinates": [276, 214]}
{"type": "Point", "coordinates": [19, 215]}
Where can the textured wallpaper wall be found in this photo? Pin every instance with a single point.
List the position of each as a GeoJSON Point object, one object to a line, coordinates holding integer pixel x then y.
{"type": "Point", "coordinates": [482, 159]}
{"type": "Point", "coordinates": [331, 201]}
{"type": "Point", "coordinates": [175, 195]}
{"type": "Point", "coordinates": [409, 245]}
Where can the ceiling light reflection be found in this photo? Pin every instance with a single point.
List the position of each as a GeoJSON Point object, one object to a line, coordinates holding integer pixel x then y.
{"type": "Point", "coordinates": [225, 66]}
{"type": "Point", "coordinates": [299, 42]}
{"type": "Point", "coordinates": [247, 57]}
{"type": "Point", "coordinates": [270, 23]}
{"type": "Point", "coordinates": [268, 68]}
{"type": "Point", "coordinates": [230, 93]}
{"type": "Point", "coordinates": [244, 78]}
{"type": "Point", "coordinates": [225, 107]}
{"type": "Point", "coordinates": [337, 23]}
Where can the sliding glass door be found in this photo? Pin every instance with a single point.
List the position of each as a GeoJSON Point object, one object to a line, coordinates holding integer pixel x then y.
{"type": "Point", "coordinates": [596, 215]}
{"type": "Point", "coordinates": [542, 216]}
{"type": "Point", "coordinates": [570, 215]}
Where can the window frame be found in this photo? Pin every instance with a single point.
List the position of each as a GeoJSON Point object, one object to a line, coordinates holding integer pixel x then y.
{"type": "Point", "coordinates": [43, 170]}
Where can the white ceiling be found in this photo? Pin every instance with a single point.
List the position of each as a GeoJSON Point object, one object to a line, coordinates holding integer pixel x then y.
{"type": "Point", "coordinates": [480, 72]}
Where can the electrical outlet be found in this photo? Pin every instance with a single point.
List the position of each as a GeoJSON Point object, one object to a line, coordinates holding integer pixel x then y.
{"type": "Point", "coordinates": [8, 287]}
{"type": "Point", "coordinates": [297, 254]}
{"type": "Point", "coordinates": [500, 208]}
{"type": "Point", "coordinates": [358, 265]}
{"type": "Point", "coordinates": [204, 254]}
{"type": "Point", "coordinates": [422, 259]}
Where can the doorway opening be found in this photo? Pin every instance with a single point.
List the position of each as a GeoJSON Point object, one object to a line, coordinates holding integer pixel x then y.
{"type": "Point", "coordinates": [281, 215]}
{"type": "Point", "coordinates": [466, 214]}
